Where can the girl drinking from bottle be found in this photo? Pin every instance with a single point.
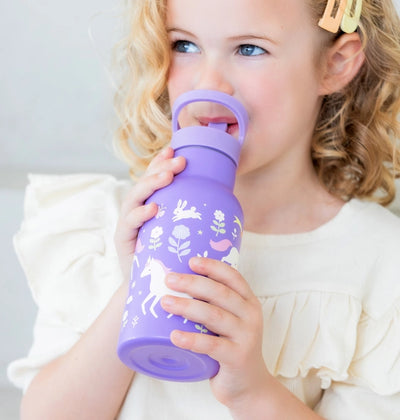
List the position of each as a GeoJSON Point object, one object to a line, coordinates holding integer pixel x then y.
{"type": "Point", "coordinates": [308, 326]}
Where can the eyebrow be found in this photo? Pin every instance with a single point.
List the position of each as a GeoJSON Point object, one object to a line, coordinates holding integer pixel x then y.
{"type": "Point", "coordinates": [179, 30]}
{"type": "Point", "coordinates": [237, 38]}
{"type": "Point", "coordinates": [260, 37]}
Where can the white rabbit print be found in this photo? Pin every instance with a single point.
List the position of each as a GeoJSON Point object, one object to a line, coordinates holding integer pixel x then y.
{"type": "Point", "coordinates": [182, 213]}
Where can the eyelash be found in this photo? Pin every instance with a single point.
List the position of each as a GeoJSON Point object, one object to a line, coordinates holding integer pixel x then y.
{"type": "Point", "coordinates": [252, 47]}
{"type": "Point", "coordinates": [177, 45]}
{"type": "Point", "coordinates": [182, 43]}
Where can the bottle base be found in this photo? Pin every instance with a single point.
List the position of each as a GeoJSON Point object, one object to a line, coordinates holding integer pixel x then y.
{"type": "Point", "coordinates": [160, 359]}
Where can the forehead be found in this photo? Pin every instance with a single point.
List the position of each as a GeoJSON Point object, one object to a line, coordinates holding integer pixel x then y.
{"type": "Point", "coordinates": [249, 11]}
{"type": "Point", "coordinates": [278, 17]}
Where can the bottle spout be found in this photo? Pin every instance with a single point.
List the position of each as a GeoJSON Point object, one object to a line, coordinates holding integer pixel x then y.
{"type": "Point", "coordinates": [219, 126]}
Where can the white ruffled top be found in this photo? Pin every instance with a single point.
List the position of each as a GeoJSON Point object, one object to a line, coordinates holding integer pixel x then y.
{"type": "Point", "coordinates": [330, 299]}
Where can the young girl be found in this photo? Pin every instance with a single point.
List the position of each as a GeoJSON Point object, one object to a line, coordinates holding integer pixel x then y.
{"type": "Point", "coordinates": [309, 325]}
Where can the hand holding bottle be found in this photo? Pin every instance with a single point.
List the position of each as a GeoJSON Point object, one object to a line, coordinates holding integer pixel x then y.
{"type": "Point", "coordinates": [135, 212]}
{"type": "Point", "coordinates": [225, 304]}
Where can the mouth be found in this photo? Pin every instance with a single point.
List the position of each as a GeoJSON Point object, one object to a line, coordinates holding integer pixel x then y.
{"type": "Point", "coordinates": [233, 129]}
{"type": "Point", "coordinates": [231, 123]}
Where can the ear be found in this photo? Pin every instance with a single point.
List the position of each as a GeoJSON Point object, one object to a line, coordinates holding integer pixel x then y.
{"type": "Point", "coordinates": [343, 61]}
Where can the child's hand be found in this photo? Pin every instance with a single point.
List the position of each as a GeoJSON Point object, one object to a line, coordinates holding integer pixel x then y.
{"type": "Point", "coordinates": [225, 305]}
{"type": "Point", "coordinates": [134, 212]}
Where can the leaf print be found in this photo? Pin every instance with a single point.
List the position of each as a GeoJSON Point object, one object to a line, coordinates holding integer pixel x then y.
{"type": "Point", "coordinates": [172, 241]}
{"type": "Point", "coordinates": [184, 252]}
{"type": "Point", "coordinates": [185, 245]}
{"type": "Point", "coordinates": [205, 254]}
{"type": "Point", "coordinates": [201, 328]}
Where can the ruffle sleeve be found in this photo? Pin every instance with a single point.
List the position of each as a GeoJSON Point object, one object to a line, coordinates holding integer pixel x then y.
{"type": "Point", "coordinates": [376, 363]}
{"type": "Point", "coordinates": [66, 249]}
{"type": "Point", "coordinates": [372, 390]}
{"type": "Point", "coordinates": [310, 332]}
{"type": "Point", "coordinates": [354, 357]}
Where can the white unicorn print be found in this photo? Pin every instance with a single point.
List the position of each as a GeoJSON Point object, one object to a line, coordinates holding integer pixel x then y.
{"type": "Point", "coordinates": [157, 270]}
{"type": "Point", "coordinates": [181, 213]}
{"type": "Point", "coordinates": [232, 258]}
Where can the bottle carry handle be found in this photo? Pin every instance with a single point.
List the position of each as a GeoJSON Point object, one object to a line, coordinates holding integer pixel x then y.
{"type": "Point", "coordinates": [204, 95]}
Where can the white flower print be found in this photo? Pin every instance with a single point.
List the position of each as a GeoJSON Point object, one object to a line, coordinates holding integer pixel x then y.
{"type": "Point", "coordinates": [180, 233]}
{"type": "Point", "coordinates": [155, 235]}
{"type": "Point", "coordinates": [219, 222]}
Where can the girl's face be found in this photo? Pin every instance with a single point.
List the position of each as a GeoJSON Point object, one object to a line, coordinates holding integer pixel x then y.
{"type": "Point", "coordinates": [262, 52]}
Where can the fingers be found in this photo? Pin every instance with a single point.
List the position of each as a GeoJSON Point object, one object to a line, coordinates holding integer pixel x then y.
{"type": "Point", "coordinates": [159, 174]}
{"type": "Point", "coordinates": [218, 348]}
{"type": "Point", "coordinates": [128, 226]}
{"type": "Point", "coordinates": [207, 290]}
{"type": "Point", "coordinates": [134, 212]}
{"type": "Point", "coordinates": [222, 273]}
{"type": "Point", "coordinates": [223, 303]}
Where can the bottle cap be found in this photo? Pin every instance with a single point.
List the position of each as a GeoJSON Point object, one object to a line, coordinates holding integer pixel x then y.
{"type": "Point", "coordinates": [214, 135]}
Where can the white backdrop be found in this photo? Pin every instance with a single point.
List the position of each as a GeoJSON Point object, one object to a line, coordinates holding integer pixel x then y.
{"type": "Point", "coordinates": [56, 97]}
{"type": "Point", "coordinates": [56, 116]}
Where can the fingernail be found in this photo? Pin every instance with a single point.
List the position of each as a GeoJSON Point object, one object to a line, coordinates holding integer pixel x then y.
{"type": "Point", "coordinates": [196, 261]}
{"type": "Point", "coordinates": [178, 337]}
{"type": "Point", "coordinates": [168, 300]}
{"type": "Point", "coordinates": [172, 279]}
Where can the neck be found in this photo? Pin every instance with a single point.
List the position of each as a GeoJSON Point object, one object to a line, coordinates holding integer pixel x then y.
{"type": "Point", "coordinates": [284, 202]}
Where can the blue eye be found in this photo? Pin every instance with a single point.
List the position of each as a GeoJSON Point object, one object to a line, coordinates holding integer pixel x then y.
{"type": "Point", "coordinates": [185, 47]}
{"type": "Point", "coordinates": [250, 50]}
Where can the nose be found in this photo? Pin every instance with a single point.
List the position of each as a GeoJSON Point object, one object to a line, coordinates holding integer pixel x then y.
{"type": "Point", "coordinates": [213, 75]}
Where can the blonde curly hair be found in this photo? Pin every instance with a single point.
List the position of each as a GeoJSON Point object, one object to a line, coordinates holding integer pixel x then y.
{"type": "Point", "coordinates": [355, 148]}
{"type": "Point", "coordinates": [141, 100]}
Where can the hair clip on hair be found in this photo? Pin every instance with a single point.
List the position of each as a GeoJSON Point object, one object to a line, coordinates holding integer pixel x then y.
{"type": "Point", "coordinates": [346, 15]}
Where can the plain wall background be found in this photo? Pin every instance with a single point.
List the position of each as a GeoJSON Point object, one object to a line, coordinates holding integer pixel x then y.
{"type": "Point", "coordinates": [56, 116]}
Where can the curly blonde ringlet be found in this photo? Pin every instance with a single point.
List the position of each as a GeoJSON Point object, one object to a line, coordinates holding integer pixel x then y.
{"type": "Point", "coordinates": [141, 100]}
{"type": "Point", "coordinates": [356, 141]}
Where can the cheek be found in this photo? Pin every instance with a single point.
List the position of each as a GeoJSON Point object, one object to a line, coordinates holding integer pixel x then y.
{"type": "Point", "coordinates": [267, 105]}
{"type": "Point", "coordinates": [179, 81]}
{"type": "Point", "coordinates": [175, 89]}
{"type": "Point", "coordinates": [264, 90]}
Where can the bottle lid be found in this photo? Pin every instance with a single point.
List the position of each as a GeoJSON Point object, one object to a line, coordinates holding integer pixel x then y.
{"type": "Point", "coordinates": [214, 135]}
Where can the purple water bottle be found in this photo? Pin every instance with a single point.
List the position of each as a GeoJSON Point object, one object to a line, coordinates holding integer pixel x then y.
{"type": "Point", "coordinates": [198, 215]}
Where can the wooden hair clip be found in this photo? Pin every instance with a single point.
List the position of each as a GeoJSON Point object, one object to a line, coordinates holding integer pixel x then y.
{"type": "Point", "coordinates": [351, 17]}
{"type": "Point", "coordinates": [345, 15]}
{"type": "Point", "coordinates": [330, 20]}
